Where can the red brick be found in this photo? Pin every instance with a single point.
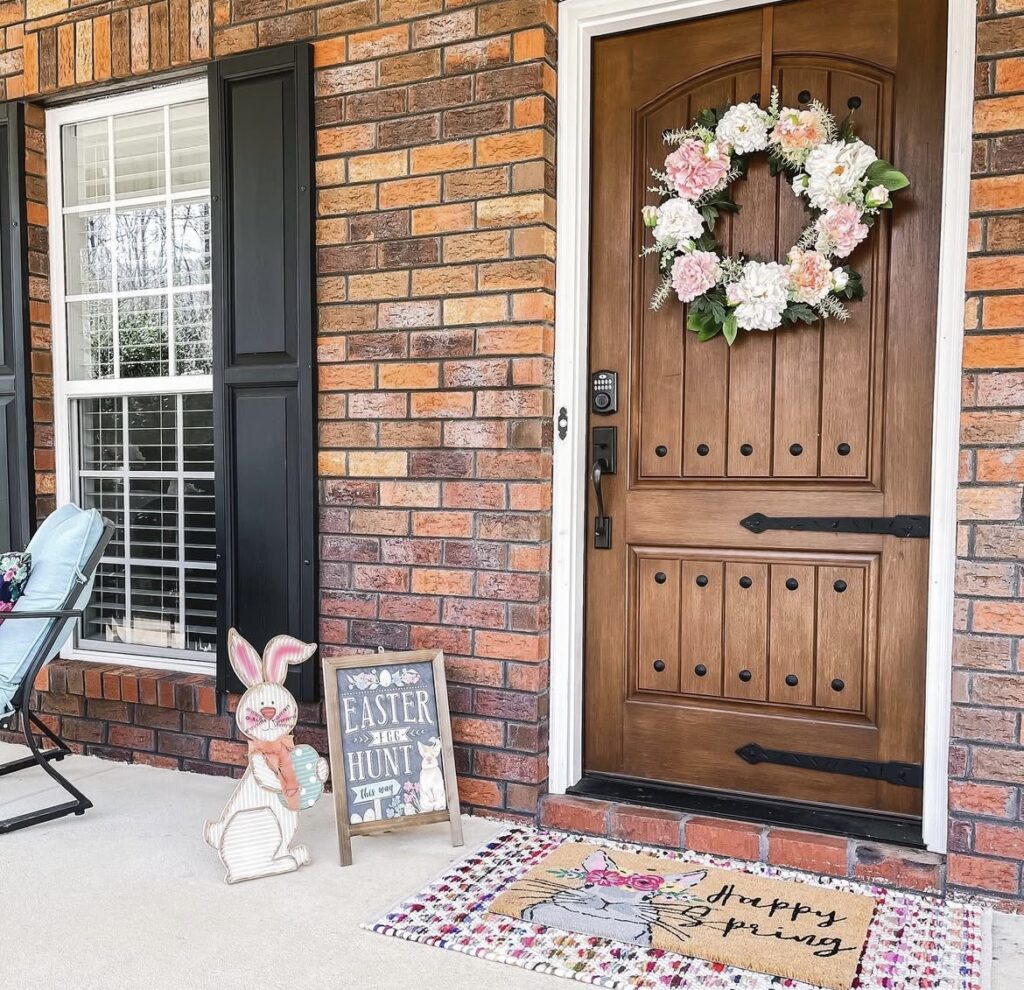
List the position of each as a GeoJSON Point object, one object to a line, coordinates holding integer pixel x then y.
{"type": "Point", "coordinates": [897, 867]}
{"type": "Point", "coordinates": [807, 851]}
{"type": "Point", "coordinates": [723, 837]}
{"type": "Point", "coordinates": [651, 826]}
{"type": "Point", "coordinates": [572, 814]}
{"type": "Point", "coordinates": [982, 873]}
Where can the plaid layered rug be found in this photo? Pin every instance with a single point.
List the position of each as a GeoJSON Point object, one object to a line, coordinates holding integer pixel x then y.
{"type": "Point", "coordinates": [914, 942]}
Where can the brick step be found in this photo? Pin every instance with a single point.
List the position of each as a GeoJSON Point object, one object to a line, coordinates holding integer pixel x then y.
{"type": "Point", "coordinates": [832, 855]}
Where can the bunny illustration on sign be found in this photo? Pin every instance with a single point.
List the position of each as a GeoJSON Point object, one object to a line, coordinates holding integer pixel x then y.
{"type": "Point", "coordinates": [255, 831]}
{"type": "Point", "coordinates": [432, 793]}
{"type": "Point", "coordinates": [612, 903]}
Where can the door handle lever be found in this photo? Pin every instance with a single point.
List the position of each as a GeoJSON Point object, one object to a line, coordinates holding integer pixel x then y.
{"type": "Point", "coordinates": [602, 522]}
{"type": "Point", "coordinates": [596, 475]}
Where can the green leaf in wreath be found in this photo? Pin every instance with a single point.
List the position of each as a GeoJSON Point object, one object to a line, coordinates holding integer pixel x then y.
{"type": "Point", "coordinates": [846, 131]}
{"type": "Point", "coordinates": [881, 173]}
{"type": "Point", "coordinates": [698, 321]}
{"type": "Point", "coordinates": [730, 329]}
{"type": "Point", "coordinates": [708, 119]}
{"type": "Point", "coordinates": [710, 215]}
{"type": "Point", "coordinates": [798, 312]}
{"type": "Point", "coordinates": [708, 332]}
{"type": "Point", "coordinates": [854, 286]}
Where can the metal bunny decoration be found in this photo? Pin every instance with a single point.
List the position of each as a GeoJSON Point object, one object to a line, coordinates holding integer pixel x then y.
{"type": "Point", "coordinates": [255, 831]}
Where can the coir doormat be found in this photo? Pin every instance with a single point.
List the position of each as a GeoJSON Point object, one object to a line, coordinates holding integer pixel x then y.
{"type": "Point", "coordinates": [508, 902]}
{"type": "Point", "coordinates": [780, 927]}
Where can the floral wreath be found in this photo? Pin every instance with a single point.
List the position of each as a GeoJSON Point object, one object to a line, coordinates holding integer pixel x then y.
{"type": "Point", "coordinates": [846, 185]}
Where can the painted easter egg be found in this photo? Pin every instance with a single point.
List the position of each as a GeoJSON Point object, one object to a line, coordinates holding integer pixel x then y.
{"type": "Point", "coordinates": [304, 763]}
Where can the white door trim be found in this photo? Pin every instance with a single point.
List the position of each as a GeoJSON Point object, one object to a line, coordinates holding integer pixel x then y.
{"type": "Point", "coordinates": [579, 22]}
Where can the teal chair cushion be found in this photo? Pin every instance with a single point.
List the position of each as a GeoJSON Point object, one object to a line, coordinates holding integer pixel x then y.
{"type": "Point", "coordinates": [60, 549]}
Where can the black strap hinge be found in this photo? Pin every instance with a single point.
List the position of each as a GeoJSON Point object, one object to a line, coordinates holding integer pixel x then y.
{"type": "Point", "coordinates": [901, 774]}
{"type": "Point", "coordinates": [905, 527]}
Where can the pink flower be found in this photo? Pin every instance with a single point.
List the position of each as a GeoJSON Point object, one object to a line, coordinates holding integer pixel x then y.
{"type": "Point", "coordinates": [810, 276]}
{"type": "Point", "coordinates": [693, 169]}
{"type": "Point", "coordinates": [799, 130]}
{"type": "Point", "coordinates": [646, 881]}
{"type": "Point", "coordinates": [694, 273]}
{"type": "Point", "coordinates": [840, 230]}
{"type": "Point", "coordinates": [606, 878]}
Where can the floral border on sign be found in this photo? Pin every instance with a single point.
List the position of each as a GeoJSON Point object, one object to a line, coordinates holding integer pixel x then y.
{"type": "Point", "coordinates": [846, 186]}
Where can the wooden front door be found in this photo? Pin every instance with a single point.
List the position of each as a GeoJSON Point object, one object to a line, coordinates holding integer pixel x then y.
{"type": "Point", "coordinates": [702, 637]}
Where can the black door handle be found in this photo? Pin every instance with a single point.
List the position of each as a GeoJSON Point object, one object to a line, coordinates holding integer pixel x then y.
{"type": "Point", "coordinates": [603, 452]}
{"type": "Point", "coordinates": [596, 475]}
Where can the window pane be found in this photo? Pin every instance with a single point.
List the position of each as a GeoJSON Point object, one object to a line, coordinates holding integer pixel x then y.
{"type": "Point", "coordinates": [142, 333]}
{"type": "Point", "coordinates": [87, 253]}
{"type": "Point", "coordinates": [106, 495]}
{"type": "Point", "coordinates": [86, 164]}
{"type": "Point", "coordinates": [153, 519]}
{"type": "Point", "coordinates": [90, 335]}
{"type": "Point", "coordinates": [156, 603]}
{"type": "Point", "coordinates": [193, 333]}
{"type": "Point", "coordinates": [139, 164]}
{"type": "Point", "coordinates": [152, 433]}
{"type": "Point", "coordinates": [200, 525]}
{"type": "Point", "coordinates": [201, 610]}
{"type": "Point", "coordinates": [141, 248]}
{"type": "Point", "coordinates": [100, 434]}
{"type": "Point", "coordinates": [190, 147]}
{"type": "Point", "coordinates": [104, 618]}
{"type": "Point", "coordinates": [197, 422]}
{"type": "Point", "coordinates": [192, 243]}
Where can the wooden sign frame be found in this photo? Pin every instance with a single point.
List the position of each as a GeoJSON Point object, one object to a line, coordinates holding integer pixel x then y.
{"type": "Point", "coordinates": [452, 814]}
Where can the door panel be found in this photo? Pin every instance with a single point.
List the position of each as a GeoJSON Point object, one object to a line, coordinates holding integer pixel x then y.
{"type": "Point", "coordinates": [700, 636]}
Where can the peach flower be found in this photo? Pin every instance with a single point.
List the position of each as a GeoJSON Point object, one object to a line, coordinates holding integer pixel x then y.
{"type": "Point", "coordinates": [810, 276]}
{"type": "Point", "coordinates": [694, 273]}
{"type": "Point", "coordinates": [840, 230]}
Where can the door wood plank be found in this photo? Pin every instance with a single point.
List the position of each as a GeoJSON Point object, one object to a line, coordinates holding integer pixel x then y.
{"type": "Point", "coordinates": [841, 638]}
{"type": "Point", "coordinates": [658, 624]}
{"type": "Point", "coordinates": [791, 638]}
{"type": "Point", "coordinates": [701, 634]}
{"type": "Point", "coordinates": [746, 631]}
{"type": "Point", "coordinates": [706, 385]}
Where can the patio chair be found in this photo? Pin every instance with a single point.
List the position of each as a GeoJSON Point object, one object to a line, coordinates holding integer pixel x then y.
{"type": "Point", "coordinates": [66, 551]}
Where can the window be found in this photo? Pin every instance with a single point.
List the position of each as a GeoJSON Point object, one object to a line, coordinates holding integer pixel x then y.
{"type": "Point", "coordinates": [129, 186]}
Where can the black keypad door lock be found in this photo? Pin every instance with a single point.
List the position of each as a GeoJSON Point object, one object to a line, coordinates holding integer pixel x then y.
{"type": "Point", "coordinates": [604, 392]}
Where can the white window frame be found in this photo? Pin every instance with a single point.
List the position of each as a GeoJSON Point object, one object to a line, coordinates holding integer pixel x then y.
{"type": "Point", "coordinates": [64, 391]}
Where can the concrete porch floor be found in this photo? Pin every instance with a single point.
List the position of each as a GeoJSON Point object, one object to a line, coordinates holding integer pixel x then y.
{"type": "Point", "coordinates": [129, 896]}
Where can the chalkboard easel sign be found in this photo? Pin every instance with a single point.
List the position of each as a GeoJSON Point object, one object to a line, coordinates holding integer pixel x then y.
{"type": "Point", "coordinates": [391, 744]}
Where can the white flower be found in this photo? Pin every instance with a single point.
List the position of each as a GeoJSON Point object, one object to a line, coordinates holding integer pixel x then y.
{"type": "Point", "coordinates": [834, 169]}
{"type": "Point", "coordinates": [759, 295]}
{"type": "Point", "coordinates": [800, 184]}
{"type": "Point", "coordinates": [744, 127]}
{"type": "Point", "coordinates": [650, 215]}
{"type": "Point", "coordinates": [876, 196]}
{"type": "Point", "coordinates": [840, 279]}
{"type": "Point", "coordinates": [678, 221]}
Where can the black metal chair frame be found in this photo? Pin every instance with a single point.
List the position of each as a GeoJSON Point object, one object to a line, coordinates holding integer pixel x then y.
{"type": "Point", "coordinates": [21, 702]}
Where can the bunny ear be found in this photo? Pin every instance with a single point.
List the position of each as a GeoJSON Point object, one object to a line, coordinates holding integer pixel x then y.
{"type": "Point", "coordinates": [245, 661]}
{"type": "Point", "coordinates": [684, 880]}
{"type": "Point", "coordinates": [282, 651]}
{"type": "Point", "coordinates": [597, 861]}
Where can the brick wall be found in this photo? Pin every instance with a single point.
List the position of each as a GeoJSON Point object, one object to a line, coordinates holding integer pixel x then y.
{"type": "Point", "coordinates": [987, 755]}
{"type": "Point", "coordinates": [435, 182]}
{"type": "Point", "coordinates": [435, 150]}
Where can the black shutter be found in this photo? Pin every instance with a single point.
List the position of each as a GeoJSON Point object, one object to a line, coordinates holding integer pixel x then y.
{"type": "Point", "coordinates": [15, 447]}
{"type": "Point", "coordinates": [264, 398]}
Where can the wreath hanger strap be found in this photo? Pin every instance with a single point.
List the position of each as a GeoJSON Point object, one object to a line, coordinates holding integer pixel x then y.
{"type": "Point", "coordinates": [844, 186]}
